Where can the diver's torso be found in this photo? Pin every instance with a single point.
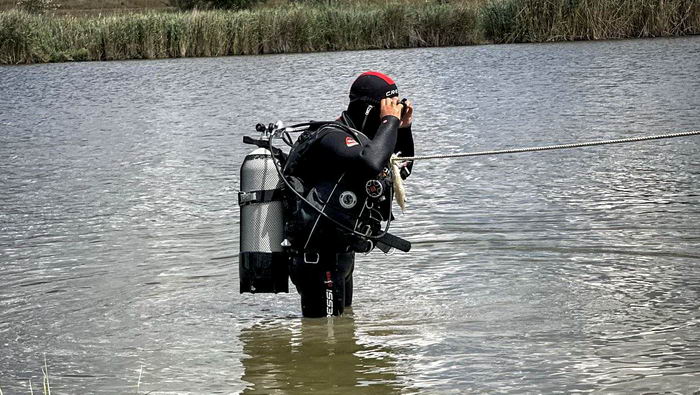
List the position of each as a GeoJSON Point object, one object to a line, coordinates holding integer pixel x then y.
{"type": "Point", "coordinates": [338, 188]}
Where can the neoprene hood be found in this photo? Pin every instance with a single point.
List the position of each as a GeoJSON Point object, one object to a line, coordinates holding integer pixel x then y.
{"type": "Point", "coordinates": [368, 90]}
{"type": "Point", "coordinates": [371, 87]}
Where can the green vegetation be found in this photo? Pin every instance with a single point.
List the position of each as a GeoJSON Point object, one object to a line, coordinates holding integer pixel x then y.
{"type": "Point", "coordinates": [27, 38]}
{"type": "Point", "coordinates": [303, 27]}
{"type": "Point", "coordinates": [559, 20]}
{"type": "Point", "coordinates": [213, 4]}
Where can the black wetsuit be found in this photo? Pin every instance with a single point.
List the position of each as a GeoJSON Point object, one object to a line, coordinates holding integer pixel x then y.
{"type": "Point", "coordinates": [322, 269]}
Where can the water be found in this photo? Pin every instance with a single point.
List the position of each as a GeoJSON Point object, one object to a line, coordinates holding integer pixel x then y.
{"type": "Point", "coordinates": [561, 271]}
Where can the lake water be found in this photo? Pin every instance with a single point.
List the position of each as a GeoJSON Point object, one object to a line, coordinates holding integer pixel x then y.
{"type": "Point", "coordinates": [561, 271]}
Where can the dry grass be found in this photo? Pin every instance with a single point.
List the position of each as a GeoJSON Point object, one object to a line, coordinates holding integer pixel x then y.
{"type": "Point", "coordinates": [88, 7]}
{"type": "Point", "coordinates": [307, 27]}
{"type": "Point", "coordinates": [559, 20]}
{"type": "Point", "coordinates": [92, 7]}
{"type": "Point", "coordinates": [26, 38]}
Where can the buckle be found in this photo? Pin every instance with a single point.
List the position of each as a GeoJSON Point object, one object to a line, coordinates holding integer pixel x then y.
{"type": "Point", "coordinates": [307, 260]}
{"type": "Point", "coordinates": [367, 232]}
{"type": "Point", "coordinates": [245, 197]}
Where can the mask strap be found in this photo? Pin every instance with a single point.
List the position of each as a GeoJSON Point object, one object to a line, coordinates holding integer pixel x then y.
{"type": "Point", "coordinates": [369, 108]}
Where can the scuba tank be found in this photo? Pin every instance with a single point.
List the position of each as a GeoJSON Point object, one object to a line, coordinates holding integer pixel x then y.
{"type": "Point", "coordinates": [263, 264]}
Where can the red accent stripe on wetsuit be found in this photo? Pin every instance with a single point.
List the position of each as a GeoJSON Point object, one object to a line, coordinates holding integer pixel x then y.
{"type": "Point", "coordinates": [380, 75]}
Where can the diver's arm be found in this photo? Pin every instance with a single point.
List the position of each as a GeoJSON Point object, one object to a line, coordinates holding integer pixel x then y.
{"type": "Point", "coordinates": [404, 145]}
{"type": "Point", "coordinates": [376, 153]}
{"type": "Point", "coordinates": [371, 157]}
{"type": "Point", "coordinates": [379, 150]}
{"type": "Point", "coordinates": [404, 142]}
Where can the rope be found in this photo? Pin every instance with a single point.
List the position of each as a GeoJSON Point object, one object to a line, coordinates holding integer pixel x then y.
{"type": "Point", "coordinates": [550, 147]}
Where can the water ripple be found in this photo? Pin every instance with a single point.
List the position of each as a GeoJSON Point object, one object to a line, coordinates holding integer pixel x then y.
{"type": "Point", "coordinates": [566, 271]}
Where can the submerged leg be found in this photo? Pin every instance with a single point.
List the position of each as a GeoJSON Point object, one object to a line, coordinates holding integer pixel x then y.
{"type": "Point", "coordinates": [322, 285]}
{"type": "Point", "coordinates": [346, 266]}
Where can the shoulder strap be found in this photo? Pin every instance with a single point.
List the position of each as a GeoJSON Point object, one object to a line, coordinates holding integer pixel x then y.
{"type": "Point", "coordinates": [306, 140]}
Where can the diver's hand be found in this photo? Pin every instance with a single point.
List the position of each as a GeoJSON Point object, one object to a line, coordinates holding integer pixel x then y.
{"type": "Point", "coordinates": [390, 106]}
{"type": "Point", "coordinates": [407, 118]}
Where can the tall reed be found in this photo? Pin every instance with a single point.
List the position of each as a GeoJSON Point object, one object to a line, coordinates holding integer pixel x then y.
{"type": "Point", "coordinates": [26, 38]}
{"type": "Point", "coordinates": [556, 20]}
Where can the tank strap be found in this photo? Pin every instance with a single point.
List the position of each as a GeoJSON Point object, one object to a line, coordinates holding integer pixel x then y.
{"type": "Point", "coordinates": [262, 196]}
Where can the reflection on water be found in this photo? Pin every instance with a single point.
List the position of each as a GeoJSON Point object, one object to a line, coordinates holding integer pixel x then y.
{"type": "Point", "coordinates": [314, 356]}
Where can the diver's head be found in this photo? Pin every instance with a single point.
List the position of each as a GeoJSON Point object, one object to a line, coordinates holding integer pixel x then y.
{"type": "Point", "coordinates": [368, 90]}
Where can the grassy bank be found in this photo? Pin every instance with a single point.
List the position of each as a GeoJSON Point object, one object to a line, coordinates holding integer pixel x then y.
{"type": "Point", "coordinates": [26, 38]}
{"type": "Point", "coordinates": [558, 20]}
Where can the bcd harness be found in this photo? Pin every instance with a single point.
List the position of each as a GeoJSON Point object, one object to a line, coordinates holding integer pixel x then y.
{"type": "Point", "coordinates": [344, 214]}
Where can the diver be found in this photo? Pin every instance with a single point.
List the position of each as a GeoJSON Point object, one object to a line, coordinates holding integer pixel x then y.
{"type": "Point", "coordinates": [343, 169]}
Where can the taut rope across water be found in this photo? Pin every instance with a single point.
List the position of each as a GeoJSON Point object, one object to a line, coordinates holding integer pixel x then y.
{"type": "Point", "coordinates": [549, 147]}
